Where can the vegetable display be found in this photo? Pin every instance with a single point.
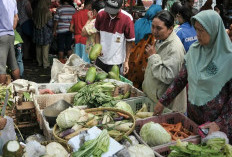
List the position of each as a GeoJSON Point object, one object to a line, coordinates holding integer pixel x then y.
{"type": "Point", "coordinates": [124, 106]}
{"type": "Point", "coordinates": [213, 148]}
{"type": "Point", "coordinates": [95, 147]}
{"type": "Point", "coordinates": [76, 87]}
{"type": "Point", "coordinates": [95, 52]}
{"type": "Point", "coordinates": [140, 150]}
{"type": "Point", "coordinates": [154, 134]}
{"type": "Point", "coordinates": [3, 89]}
{"type": "Point", "coordinates": [177, 131]}
{"type": "Point", "coordinates": [68, 118]}
{"type": "Point", "coordinates": [95, 95]}
{"type": "Point", "coordinates": [113, 121]}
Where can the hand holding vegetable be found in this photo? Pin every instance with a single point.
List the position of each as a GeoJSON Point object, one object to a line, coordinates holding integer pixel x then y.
{"type": "Point", "coordinates": [213, 127]}
{"type": "Point", "coordinates": [158, 109]}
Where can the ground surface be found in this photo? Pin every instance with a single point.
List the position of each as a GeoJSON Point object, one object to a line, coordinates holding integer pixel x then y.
{"type": "Point", "coordinates": [36, 74]}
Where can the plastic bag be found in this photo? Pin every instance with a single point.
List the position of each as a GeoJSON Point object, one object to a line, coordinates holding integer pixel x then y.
{"type": "Point", "coordinates": [70, 67]}
{"type": "Point", "coordinates": [217, 134]}
{"type": "Point", "coordinates": [8, 133]}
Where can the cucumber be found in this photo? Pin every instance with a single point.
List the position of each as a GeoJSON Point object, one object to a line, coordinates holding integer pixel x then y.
{"type": "Point", "coordinates": [95, 52]}
{"type": "Point", "coordinates": [112, 75]}
{"type": "Point", "coordinates": [115, 69]}
{"type": "Point", "coordinates": [76, 87]}
{"type": "Point", "coordinates": [101, 76]}
{"type": "Point", "coordinates": [91, 75]}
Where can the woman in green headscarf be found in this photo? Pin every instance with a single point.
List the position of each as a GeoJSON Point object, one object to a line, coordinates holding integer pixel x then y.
{"type": "Point", "coordinates": [208, 73]}
{"type": "Point", "coordinates": [42, 35]}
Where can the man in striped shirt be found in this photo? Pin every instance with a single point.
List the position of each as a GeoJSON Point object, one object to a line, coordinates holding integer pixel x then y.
{"type": "Point", "coordinates": [62, 20]}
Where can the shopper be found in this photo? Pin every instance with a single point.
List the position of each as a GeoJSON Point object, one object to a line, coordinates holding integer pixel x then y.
{"type": "Point", "coordinates": [26, 25]}
{"type": "Point", "coordinates": [138, 58]}
{"type": "Point", "coordinates": [8, 22]}
{"type": "Point", "coordinates": [18, 52]}
{"type": "Point", "coordinates": [208, 73]}
{"type": "Point", "coordinates": [79, 19]}
{"type": "Point", "coordinates": [42, 36]}
{"type": "Point", "coordinates": [62, 21]}
{"type": "Point", "coordinates": [166, 57]}
{"type": "Point", "coordinates": [115, 33]}
{"type": "Point", "coordinates": [185, 31]}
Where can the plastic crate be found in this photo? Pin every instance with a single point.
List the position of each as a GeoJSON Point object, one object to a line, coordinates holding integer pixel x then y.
{"type": "Point", "coordinates": [137, 103]}
{"type": "Point", "coordinates": [171, 118]}
{"type": "Point", "coordinates": [57, 88]}
{"type": "Point", "coordinates": [123, 79]}
{"type": "Point", "coordinates": [42, 101]}
{"type": "Point", "coordinates": [164, 150]}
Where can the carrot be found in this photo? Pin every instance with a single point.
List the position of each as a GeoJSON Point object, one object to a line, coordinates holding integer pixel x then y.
{"type": "Point", "coordinates": [123, 115]}
{"type": "Point", "coordinates": [177, 127]}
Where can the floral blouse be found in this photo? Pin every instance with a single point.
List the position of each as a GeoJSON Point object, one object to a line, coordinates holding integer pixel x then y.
{"type": "Point", "coordinates": [218, 110]}
{"type": "Point", "coordinates": [91, 30]}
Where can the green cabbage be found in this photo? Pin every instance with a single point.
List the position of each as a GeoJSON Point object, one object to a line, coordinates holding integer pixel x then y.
{"type": "Point", "coordinates": [124, 106]}
{"type": "Point", "coordinates": [67, 118]}
{"type": "Point", "coordinates": [154, 134]}
{"type": "Point", "coordinates": [140, 150]}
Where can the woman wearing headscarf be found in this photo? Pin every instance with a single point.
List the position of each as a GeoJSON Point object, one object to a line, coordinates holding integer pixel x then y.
{"type": "Point", "coordinates": [42, 35]}
{"type": "Point", "coordinates": [165, 60]}
{"type": "Point", "coordinates": [208, 73]}
{"type": "Point", "coordinates": [143, 25]}
{"type": "Point", "coordinates": [138, 57]}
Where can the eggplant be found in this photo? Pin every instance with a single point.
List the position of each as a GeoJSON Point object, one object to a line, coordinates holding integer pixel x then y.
{"type": "Point", "coordinates": [66, 132]}
{"type": "Point", "coordinates": [118, 118]}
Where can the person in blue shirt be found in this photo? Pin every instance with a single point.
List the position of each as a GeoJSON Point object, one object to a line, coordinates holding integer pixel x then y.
{"type": "Point", "coordinates": [185, 31]}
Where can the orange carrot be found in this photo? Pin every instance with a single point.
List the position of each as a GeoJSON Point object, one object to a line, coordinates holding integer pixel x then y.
{"type": "Point", "coordinates": [123, 115]}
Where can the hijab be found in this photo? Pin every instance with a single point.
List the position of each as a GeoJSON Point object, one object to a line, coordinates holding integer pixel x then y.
{"type": "Point", "coordinates": [209, 66]}
{"type": "Point", "coordinates": [143, 25]}
{"type": "Point", "coordinates": [42, 14]}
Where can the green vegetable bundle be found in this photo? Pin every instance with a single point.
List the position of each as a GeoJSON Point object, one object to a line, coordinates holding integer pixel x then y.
{"type": "Point", "coordinates": [215, 147]}
{"type": "Point", "coordinates": [95, 147]}
{"type": "Point", "coordinates": [95, 95]}
{"type": "Point", "coordinates": [3, 89]}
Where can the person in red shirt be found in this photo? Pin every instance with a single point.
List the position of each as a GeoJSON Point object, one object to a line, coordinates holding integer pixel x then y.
{"type": "Point", "coordinates": [79, 20]}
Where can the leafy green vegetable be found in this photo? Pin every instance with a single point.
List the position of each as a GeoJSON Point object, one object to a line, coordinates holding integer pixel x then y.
{"type": "Point", "coordinates": [125, 107]}
{"type": "Point", "coordinates": [95, 147]}
{"type": "Point", "coordinates": [215, 147]}
{"type": "Point", "coordinates": [154, 134]}
{"type": "Point", "coordinates": [95, 95]}
{"type": "Point", "coordinates": [27, 96]}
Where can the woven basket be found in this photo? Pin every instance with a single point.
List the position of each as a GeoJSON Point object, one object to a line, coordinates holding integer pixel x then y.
{"type": "Point", "coordinates": [56, 128]}
{"type": "Point", "coordinates": [66, 146]}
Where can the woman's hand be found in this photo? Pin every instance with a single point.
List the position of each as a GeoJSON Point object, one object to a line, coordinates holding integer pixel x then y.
{"type": "Point", "coordinates": [158, 109]}
{"type": "Point", "coordinates": [125, 68]}
{"type": "Point", "coordinates": [150, 49]}
{"type": "Point", "coordinates": [213, 127]}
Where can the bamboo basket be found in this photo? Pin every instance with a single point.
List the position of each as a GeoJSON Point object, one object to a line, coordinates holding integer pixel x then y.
{"type": "Point", "coordinates": [61, 140]}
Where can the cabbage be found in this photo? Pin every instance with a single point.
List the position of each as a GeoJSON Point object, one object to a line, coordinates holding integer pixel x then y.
{"type": "Point", "coordinates": [140, 150]}
{"type": "Point", "coordinates": [67, 118]}
{"type": "Point", "coordinates": [124, 106]}
{"type": "Point", "coordinates": [154, 134]}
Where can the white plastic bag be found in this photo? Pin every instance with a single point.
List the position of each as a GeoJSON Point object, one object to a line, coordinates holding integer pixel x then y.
{"type": "Point", "coordinates": [8, 133]}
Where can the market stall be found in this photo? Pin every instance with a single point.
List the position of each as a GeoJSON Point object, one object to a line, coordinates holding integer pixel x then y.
{"type": "Point", "coordinates": [97, 113]}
